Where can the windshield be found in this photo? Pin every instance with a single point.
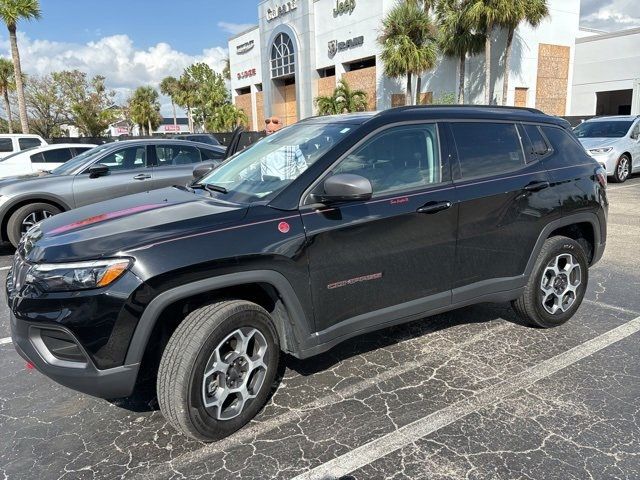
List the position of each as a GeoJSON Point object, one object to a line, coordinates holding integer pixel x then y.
{"type": "Point", "coordinates": [79, 160]}
{"type": "Point", "coordinates": [602, 129]}
{"type": "Point", "coordinates": [17, 153]}
{"type": "Point", "coordinates": [268, 166]}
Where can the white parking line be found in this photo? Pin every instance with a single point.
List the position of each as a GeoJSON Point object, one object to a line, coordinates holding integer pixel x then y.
{"type": "Point", "coordinates": [5, 268]}
{"type": "Point", "coordinates": [4, 341]}
{"type": "Point", "coordinates": [611, 307]}
{"type": "Point", "coordinates": [613, 189]}
{"type": "Point", "coordinates": [369, 452]}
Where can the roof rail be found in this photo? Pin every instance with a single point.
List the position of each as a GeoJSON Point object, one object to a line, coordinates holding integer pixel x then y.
{"type": "Point", "coordinates": [505, 107]}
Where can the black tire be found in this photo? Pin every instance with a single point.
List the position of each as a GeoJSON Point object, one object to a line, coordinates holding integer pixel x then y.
{"type": "Point", "coordinates": [530, 305]}
{"type": "Point", "coordinates": [183, 363]}
{"type": "Point", "coordinates": [619, 176]}
{"type": "Point", "coordinates": [14, 225]}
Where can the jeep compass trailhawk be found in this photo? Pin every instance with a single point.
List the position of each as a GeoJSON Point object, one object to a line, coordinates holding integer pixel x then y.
{"type": "Point", "coordinates": [330, 228]}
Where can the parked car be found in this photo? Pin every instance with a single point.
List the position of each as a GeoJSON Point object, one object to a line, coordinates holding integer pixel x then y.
{"type": "Point", "coordinates": [108, 171]}
{"type": "Point", "coordinates": [198, 137]}
{"type": "Point", "coordinates": [39, 159]}
{"type": "Point", "coordinates": [325, 230]}
{"type": "Point", "coordinates": [16, 142]}
{"type": "Point", "coordinates": [614, 142]}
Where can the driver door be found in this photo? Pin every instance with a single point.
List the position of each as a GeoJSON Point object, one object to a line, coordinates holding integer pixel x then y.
{"type": "Point", "coordinates": [128, 173]}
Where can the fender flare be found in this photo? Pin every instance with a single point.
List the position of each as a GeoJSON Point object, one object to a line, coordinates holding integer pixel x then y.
{"type": "Point", "coordinates": [295, 335]}
{"type": "Point", "coordinates": [585, 217]}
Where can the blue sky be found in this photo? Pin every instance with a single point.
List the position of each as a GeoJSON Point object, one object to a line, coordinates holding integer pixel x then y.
{"type": "Point", "coordinates": [187, 25]}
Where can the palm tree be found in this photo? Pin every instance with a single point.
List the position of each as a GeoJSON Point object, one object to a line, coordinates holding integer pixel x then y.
{"type": "Point", "coordinates": [456, 38]}
{"type": "Point", "coordinates": [11, 11]}
{"type": "Point", "coordinates": [226, 118]}
{"type": "Point", "coordinates": [144, 108]}
{"type": "Point", "coordinates": [7, 84]}
{"type": "Point", "coordinates": [169, 87]}
{"type": "Point", "coordinates": [342, 100]}
{"type": "Point", "coordinates": [485, 15]}
{"type": "Point", "coordinates": [530, 11]}
{"type": "Point", "coordinates": [186, 93]}
{"type": "Point", "coordinates": [408, 43]}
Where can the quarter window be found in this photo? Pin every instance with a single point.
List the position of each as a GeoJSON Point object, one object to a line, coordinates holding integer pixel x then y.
{"type": "Point", "coordinates": [564, 142]}
{"type": "Point", "coordinates": [486, 148]}
{"type": "Point", "coordinates": [539, 146]}
{"type": "Point", "coordinates": [400, 158]}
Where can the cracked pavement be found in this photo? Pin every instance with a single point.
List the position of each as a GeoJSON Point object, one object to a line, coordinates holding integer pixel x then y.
{"type": "Point", "coordinates": [579, 422]}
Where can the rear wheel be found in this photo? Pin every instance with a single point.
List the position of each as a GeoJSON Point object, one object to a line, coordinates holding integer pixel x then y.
{"type": "Point", "coordinates": [623, 169]}
{"type": "Point", "coordinates": [26, 217]}
{"type": "Point", "coordinates": [557, 284]}
{"type": "Point", "coordinates": [218, 369]}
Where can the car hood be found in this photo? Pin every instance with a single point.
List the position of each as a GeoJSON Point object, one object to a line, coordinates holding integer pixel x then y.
{"type": "Point", "coordinates": [597, 142]}
{"type": "Point", "coordinates": [109, 228]}
{"type": "Point", "coordinates": [20, 179]}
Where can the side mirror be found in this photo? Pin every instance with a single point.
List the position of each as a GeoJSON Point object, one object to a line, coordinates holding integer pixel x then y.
{"type": "Point", "coordinates": [344, 187]}
{"type": "Point", "coordinates": [203, 168]}
{"type": "Point", "coordinates": [98, 170]}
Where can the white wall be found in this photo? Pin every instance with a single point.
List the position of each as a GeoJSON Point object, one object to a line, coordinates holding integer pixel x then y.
{"type": "Point", "coordinates": [604, 63]}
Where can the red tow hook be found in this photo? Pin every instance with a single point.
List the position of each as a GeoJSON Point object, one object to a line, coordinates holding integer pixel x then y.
{"type": "Point", "coordinates": [30, 366]}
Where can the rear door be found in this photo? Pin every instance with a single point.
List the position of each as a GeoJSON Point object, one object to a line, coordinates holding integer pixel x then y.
{"type": "Point", "coordinates": [504, 203]}
{"type": "Point", "coordinates": [389, 251]}
{"type": "Point", "coordinates": [128, 173]}
{"type": "Point", "coordinates": [174, 164]}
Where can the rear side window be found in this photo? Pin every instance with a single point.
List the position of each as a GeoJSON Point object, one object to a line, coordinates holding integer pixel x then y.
{"type": "Point", "coordinates": [211, 154]}
{"type": "Point", "coordinates": [486, 148]}
{"type": "Point", "coordinates": [6, 145]}
{"type": "Point", "coordinates": [176, 155]}
{"type": "Point", "coordinates": [563, 142]}
{"type": "Point", "coordinates": [59, 155]}
{"type": "Point", "coordinates": [539, 146]}
{"type": "Point", "coordinates": [28, 143]}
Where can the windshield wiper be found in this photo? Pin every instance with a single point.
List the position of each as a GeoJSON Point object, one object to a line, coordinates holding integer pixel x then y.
{"type": "Point", "coordinates": [210, 187]}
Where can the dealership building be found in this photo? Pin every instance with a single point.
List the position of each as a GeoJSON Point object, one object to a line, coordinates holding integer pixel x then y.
{"type": "Point", "coordinates": [301, 48]}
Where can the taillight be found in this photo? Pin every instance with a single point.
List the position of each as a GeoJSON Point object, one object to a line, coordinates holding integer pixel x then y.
{"type": "Point", "coordinates": [601, 176]}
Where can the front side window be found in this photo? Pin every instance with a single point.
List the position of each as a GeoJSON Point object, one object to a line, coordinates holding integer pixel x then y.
{"type": "Point", "coordinates": [399, 158]}
{"type": "Point", "coordinates": [177, 155]}
{"type": "Point", "coordinates": [125, 159]}
{"type": "Point", "coordinates": [283, 62]}
{"type": "Point", "coordinates": [6, 145]}
{"type": "Point", "coordinates": [26, 143]}
{"type": "Point", "coordinates": [603, 129]}
{"type": "Point", "coordinates": [486, 148]}
{"type": "Point", "coordinates": [268, 166]}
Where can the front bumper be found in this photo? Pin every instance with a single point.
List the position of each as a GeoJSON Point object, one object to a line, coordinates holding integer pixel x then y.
{"type": "Point", "coordinates": [79, 373]}
{"type": "Point", "coordinates": [608, 161]}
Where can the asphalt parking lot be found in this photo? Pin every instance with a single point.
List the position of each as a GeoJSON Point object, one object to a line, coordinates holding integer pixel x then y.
{"type": "Point", "coordinates": [468, 394]}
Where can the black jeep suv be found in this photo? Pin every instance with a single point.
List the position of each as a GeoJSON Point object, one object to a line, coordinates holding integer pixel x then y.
{"type": "Point", "coordinates": [330, 228]}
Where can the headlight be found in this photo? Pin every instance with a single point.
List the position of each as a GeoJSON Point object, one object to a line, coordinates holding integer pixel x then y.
{"type": "Point", "coordinates": [600, 151]}
{"type": "Point", "coordinates": [62, 277]}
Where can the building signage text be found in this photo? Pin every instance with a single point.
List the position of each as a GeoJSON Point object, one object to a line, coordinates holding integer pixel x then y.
{"type": "Point", "coordinates": [336, 46]}
{"type": "Point", "coordinates": [284, 8]}
{"type": "Point", "coordinates": [247, 73]}
{"type": "Point", "coordinates": [344, 6]}
{"type": "Point", "coordinates": [245, 47]}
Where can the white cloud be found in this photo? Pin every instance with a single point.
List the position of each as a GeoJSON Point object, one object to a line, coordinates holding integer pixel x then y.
{"type": "Point", "coordinates": [115, 57]}
{"type": "Point", "coordinates": [610, 15]}
{"type": "Point", "coordinates": [235, 28]}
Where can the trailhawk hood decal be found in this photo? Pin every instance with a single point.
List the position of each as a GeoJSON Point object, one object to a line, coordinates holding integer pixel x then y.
{"type": "Point", "coordinates": [115, 226]}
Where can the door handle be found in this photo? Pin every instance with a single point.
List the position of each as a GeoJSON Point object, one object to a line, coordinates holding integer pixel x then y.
{"type": "Point", "coordinates": [537, 186]}
{"type": "Point", "coordinates": [142, 176]}
{"type": "Point", "coordinates": [434, 207]}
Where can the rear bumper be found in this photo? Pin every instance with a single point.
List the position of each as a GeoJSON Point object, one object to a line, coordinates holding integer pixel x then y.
{"type": "Point", "coordinates": [79, 374]}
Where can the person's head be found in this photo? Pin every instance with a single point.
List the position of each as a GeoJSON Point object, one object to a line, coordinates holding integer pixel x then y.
{"type": "Point", "coordinates": [272, 124]}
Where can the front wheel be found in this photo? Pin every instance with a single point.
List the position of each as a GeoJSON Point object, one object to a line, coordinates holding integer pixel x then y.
{"type": "Point", "coordinates": [26, 217]}
{"type": "Point", "coordinates": [557, 284]}
{"type": "Point", "coordinates": [623, 169]}
{"type": "Point", "coordinates": [218, 369]}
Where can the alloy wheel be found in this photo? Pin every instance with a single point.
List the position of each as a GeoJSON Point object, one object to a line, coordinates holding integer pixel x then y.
{"type": "Point", "coordinates": [560, 281]}
{"type": "Point", "coordinates": [623, 168]}
{"type": "Point", "coordinates": [33, 218]}
{"type": "Point", "coordinates": [234, 373]}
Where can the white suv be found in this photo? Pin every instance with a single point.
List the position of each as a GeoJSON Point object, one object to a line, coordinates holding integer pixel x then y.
{"type": "Point", "coordinates": [614, 142]}
{"type": "Point", "coordinates": [16, 142]}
